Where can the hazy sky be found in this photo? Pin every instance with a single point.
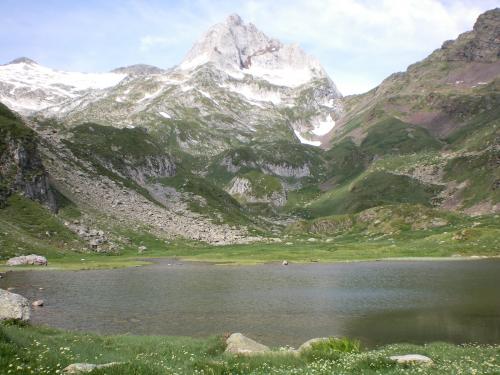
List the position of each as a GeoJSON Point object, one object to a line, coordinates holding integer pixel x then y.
{"type": "Point", "coordinates": [359, 42]}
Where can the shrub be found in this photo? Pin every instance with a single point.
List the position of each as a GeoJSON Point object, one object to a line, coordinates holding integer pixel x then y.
{"type": "Point", "coordinates": [332, 348]}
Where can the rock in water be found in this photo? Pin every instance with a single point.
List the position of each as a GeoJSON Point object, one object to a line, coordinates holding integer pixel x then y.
{"type": "Point", "coordinates": [38, 303]}
{"type": "Point", "coordinates": [411, 359]}
{"type": "Point", "coordinates": [239, 344]}
{"type": "Point", "coordinates": [285, 263]}
{"type": "Point", "coordinates": [13, 306]}
{"type": "Point", "coordinates": [33, 259]}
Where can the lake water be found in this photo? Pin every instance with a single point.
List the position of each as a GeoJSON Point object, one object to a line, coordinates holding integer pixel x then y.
{"type": "Point", "coordinates": [376, 302]}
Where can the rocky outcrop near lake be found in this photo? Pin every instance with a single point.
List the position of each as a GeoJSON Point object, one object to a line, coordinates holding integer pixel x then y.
{"type": "Point", "coordinates": [28, 260]}
{"type": "Point", "coordinates": [13, 306]}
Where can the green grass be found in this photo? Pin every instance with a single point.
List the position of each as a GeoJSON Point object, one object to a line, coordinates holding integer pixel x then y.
{"type": "Point", "coordinates": [373, 189]}
{"type": "Point", "coordinates": [26, 227]}
{"type": "Point", "coordinates": [346, 160]}
{"type": "Point", "coordinates": [481, 173]}
{"type": "Point", "coordinates": [262, 185]}
{"type": "Point", "coordinates": [115, 145]}
{"type": "Point", "coordinates": [208, 199]}
{"type": "Point", "coordinates": [394, 136]}
{"type": "Point", "coordinates": [332, 349]}
{"type": "Point", "coordinates": [401, 231]}
{"type": "Point", "coordinates": [26, 349]}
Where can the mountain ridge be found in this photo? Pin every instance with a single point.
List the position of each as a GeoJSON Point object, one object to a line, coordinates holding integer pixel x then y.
{"type": "Point", "coordinates": [213, 154]}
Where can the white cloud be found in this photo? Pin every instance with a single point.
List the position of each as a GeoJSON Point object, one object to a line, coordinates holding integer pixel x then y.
{"type": "Point", "coordinates": [359, 42]}
{"type": "Point", "coordinates": [151, 41]}
{"type": "Point", "coordinates": [380, 36]}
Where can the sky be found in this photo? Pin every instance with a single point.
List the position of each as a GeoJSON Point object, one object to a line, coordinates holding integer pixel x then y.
{"type": "Point", "coordinates": [359, 42]}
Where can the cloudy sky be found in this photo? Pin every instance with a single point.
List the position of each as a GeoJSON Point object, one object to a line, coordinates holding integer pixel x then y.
{"type": "Point", "coordinates": [359, 42]}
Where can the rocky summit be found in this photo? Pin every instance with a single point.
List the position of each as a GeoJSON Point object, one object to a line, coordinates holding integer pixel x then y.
{"type": "Point", "coordinates": [248, 138]}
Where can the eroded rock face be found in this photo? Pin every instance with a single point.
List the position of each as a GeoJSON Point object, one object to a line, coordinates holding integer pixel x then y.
{"type": "Point", "coordinates": [237, 47]}
{"type": "Point", "coordinates": [30, 260]}
{"type": "Point", "coordinates": [152, 167]}
{"type": "Point", "coordinates": [240, 344]}
{"type": "Point", "coordinates": [242, 187]}
{"type": "Point", "coordinates": [482, 44]}
{"type": "Point", "coordinates": [285, 170]}
{"type": "Point", "coordinates": [13, 306]}
{"type": "Point", "coordinates": [21, 168]}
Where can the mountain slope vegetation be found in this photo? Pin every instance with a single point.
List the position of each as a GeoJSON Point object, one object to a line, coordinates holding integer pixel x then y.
{"type": "Point", "coordinates": [215, 151]}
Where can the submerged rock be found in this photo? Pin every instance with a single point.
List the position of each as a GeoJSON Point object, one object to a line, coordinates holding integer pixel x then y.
{"type": "Point", "coordinates": [240, 344]}
{"type": "Point", "coordinates": [33, 259]}
{"type": "Point", "coordinates": [411, 359]}
{"type": "Point", "coordinates": [13, 306]}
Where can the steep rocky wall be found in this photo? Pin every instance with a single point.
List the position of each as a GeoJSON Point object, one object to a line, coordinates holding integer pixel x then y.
{"type": "Point", "coordinates": [21, 169]}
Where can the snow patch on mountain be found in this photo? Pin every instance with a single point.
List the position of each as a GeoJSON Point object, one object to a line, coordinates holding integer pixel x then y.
{"type": "Point", "coordinates": [165, 114]}
{"type": "Point", "coordinates": [256, 95]}
{"type": "Point", "coordinates": [324, 127]}
{"type": "Point", "coordinates": [208, 96]}
{"type": "Point", "coordinates": [28, 86]}
{"type": "Point", "coordinates": [150, 95]}
{"type": "Point", "coordinates": [306, 141]}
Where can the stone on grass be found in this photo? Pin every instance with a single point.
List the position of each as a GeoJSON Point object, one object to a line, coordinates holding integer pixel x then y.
{"type": "Point", "coordinates": [411, 359]}
{"type": "Point", "coordinates": [239, 344]}
{"type": "Point", "coordinates": [79, 368]}
{"type": "Point", "coordinates": [13, 306]}
{"type": "Point", "coordinates": [32, 260]}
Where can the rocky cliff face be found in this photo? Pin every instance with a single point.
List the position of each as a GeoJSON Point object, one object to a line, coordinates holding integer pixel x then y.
{"type": "Point", "coordinates": [21, 169]}
{"type": "Point", "coordinates": [250, 191]}
{"type": "Point", "coordinates": [482, 44]}
{"type": "Point", "coordinates": [238, 48]}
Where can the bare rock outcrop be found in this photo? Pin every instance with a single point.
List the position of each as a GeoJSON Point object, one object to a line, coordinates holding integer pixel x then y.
{"type": "Point", "coordinates": [13, 306]}
{"type": "Point", "coordinates": [240, 344]}
{"type": "Point", "coordinates": [28, 260]}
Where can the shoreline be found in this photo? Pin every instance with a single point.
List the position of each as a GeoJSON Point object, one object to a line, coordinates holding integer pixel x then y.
{"type": "Point", "coordinates": [48, 350]}
{"type": "Point", "coordinates": [134, 262]}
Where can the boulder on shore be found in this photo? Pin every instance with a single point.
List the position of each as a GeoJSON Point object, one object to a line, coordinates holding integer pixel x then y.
{"type": "Point", "coordinates": [13, 306]}
{"type": "Point", "coordinates": [33, 259]}
{"type": "Point", "coordinates": [79, 368]}
{"type": "Point", "coordinates": [239, 344]}
{"type": "Point", "coordinates": [411, 359]}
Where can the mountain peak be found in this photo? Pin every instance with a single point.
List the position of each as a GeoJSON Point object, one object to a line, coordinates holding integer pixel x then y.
{"type": "Point", "coordinates": [489, 20]}
{"type": "Point", "coordinates": [139, 69]}
{"type": "Point", "coordinates": [234, 20]}
{"type": "Point", "coordinates": [482, 44]}
{"type": "Point", "coordinates": [24, 60]}
{"type": "Point", "coordinates": [238, 48]}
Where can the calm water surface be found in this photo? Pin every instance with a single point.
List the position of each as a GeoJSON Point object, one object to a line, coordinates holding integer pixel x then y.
{"type": "Point", "coordinates": [377, 302]}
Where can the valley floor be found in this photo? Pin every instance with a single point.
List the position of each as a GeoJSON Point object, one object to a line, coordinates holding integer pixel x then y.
{"type": "Point", "coordinates": [433, 244]}
{"type": "Point", "coordinates": [26, 349]}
